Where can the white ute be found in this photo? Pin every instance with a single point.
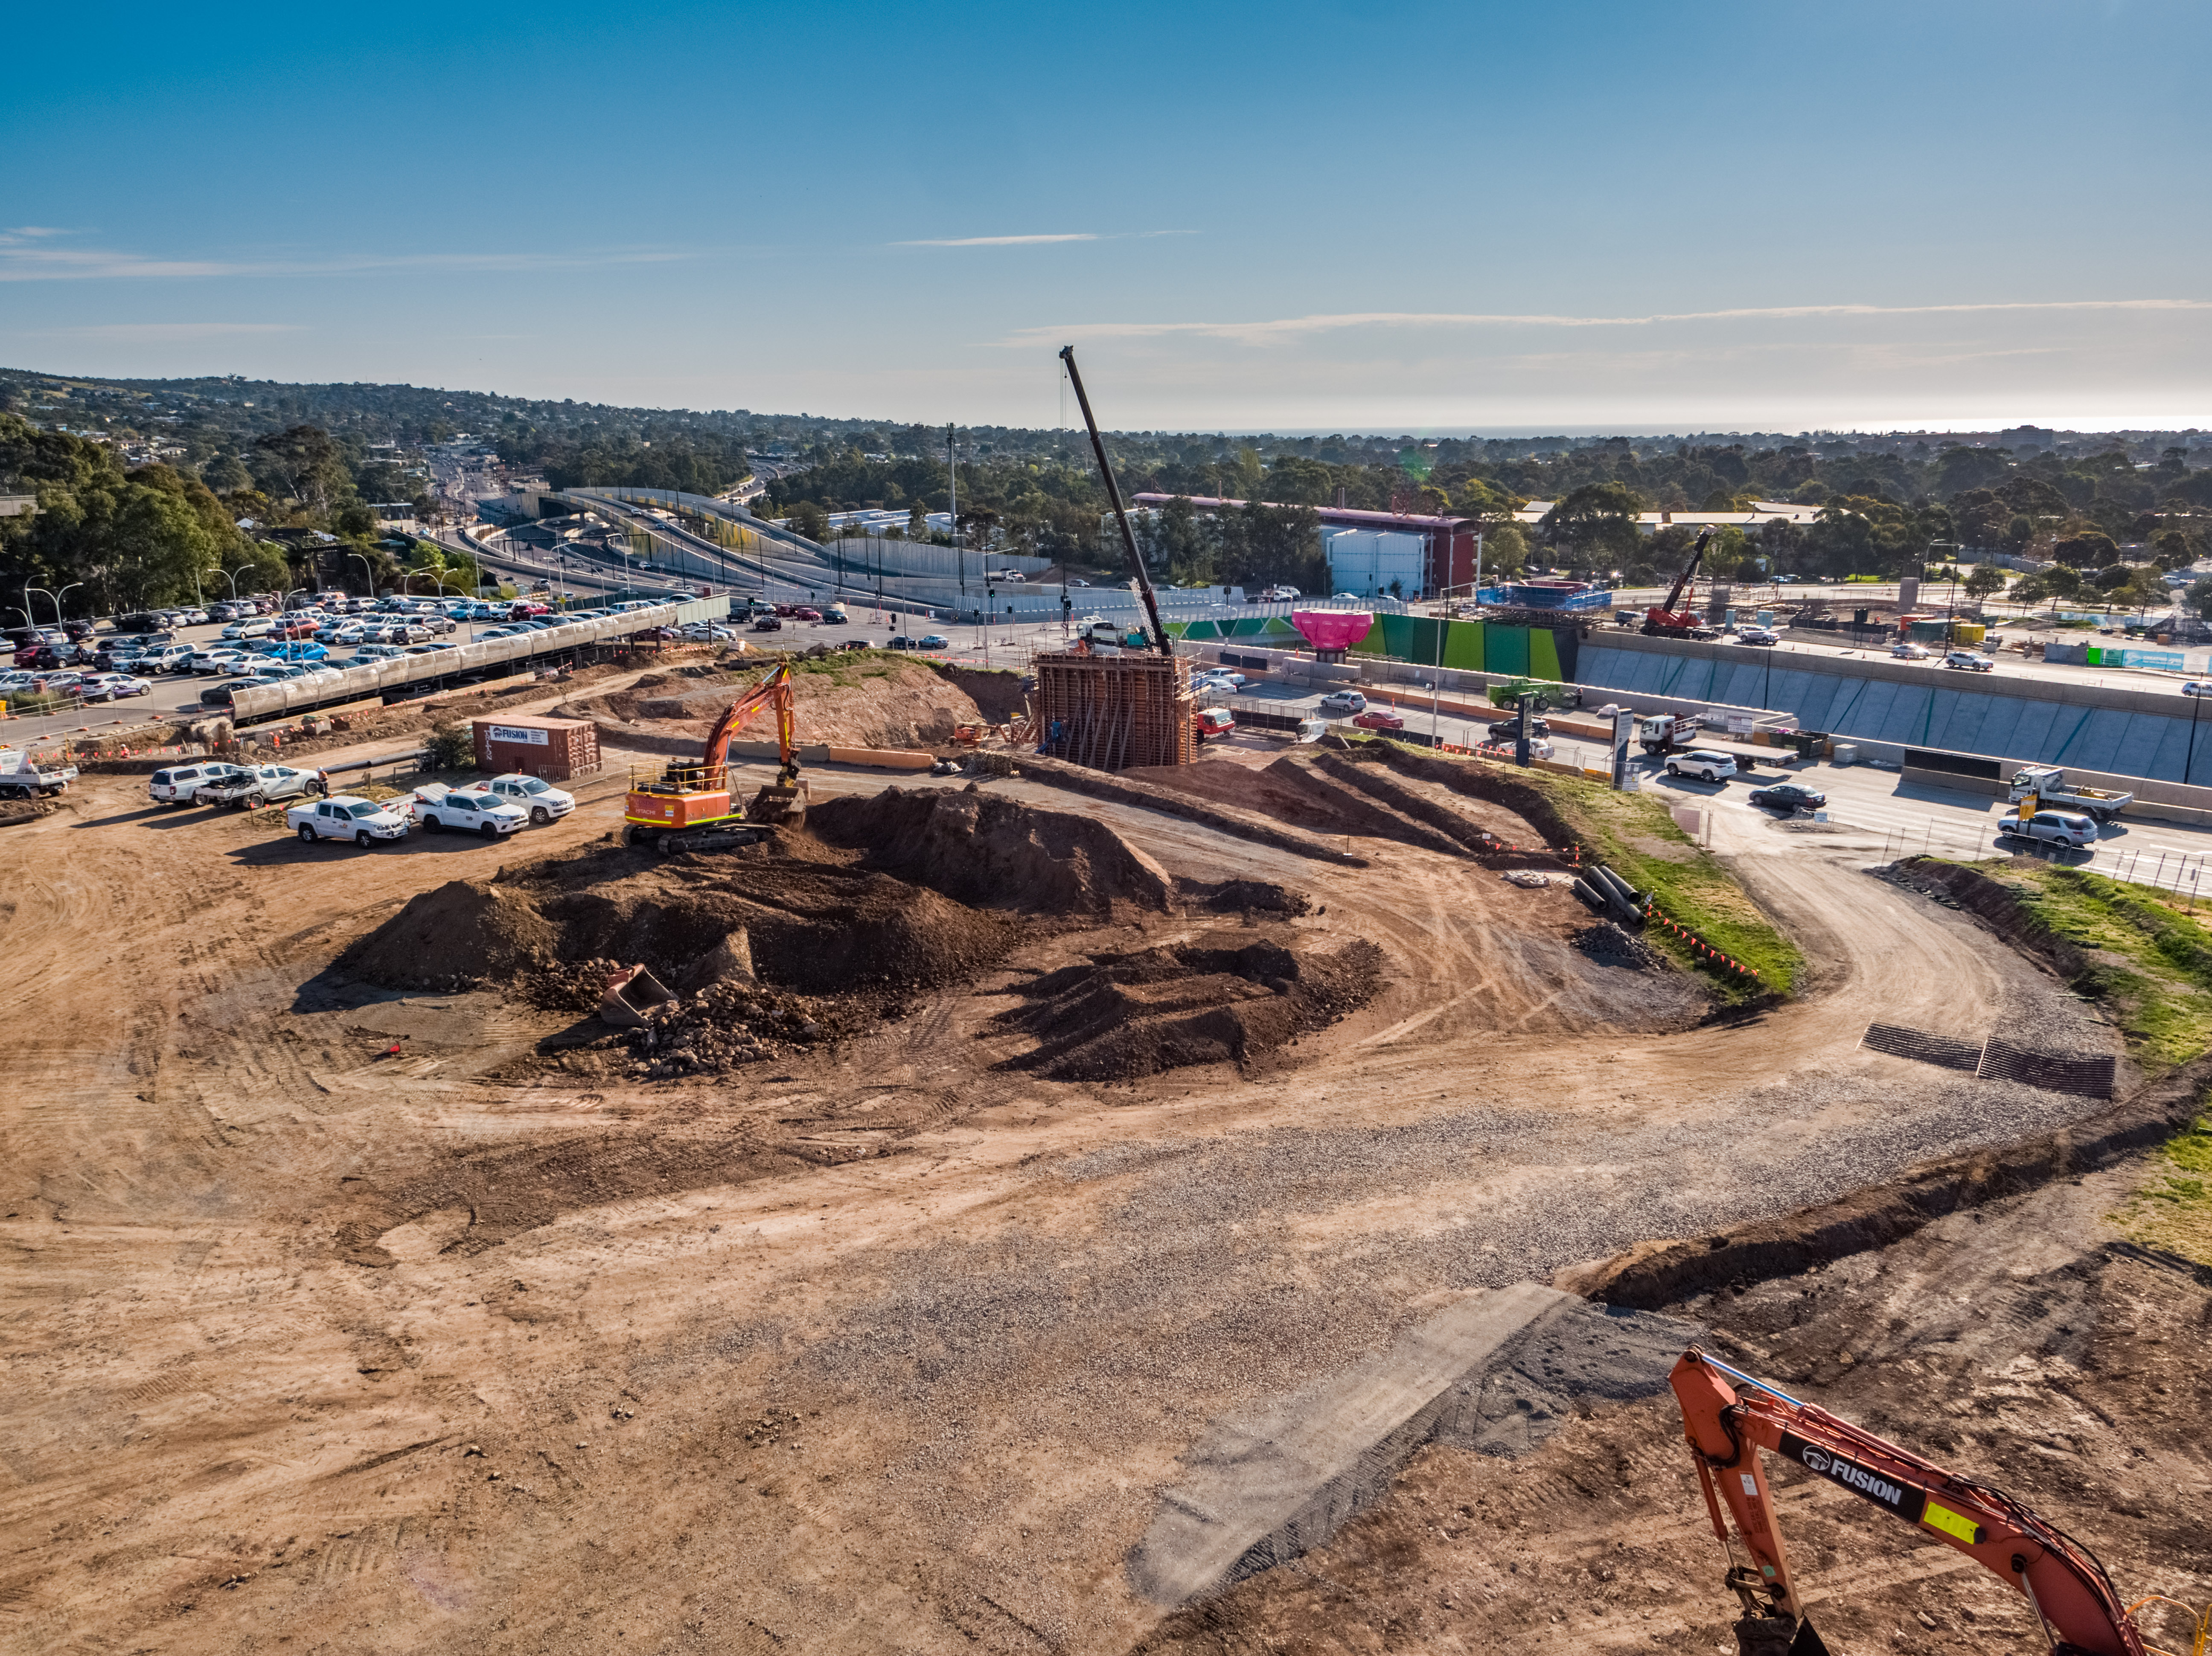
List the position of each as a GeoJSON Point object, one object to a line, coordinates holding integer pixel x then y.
{"type": "Point", "coordinates": [464, 810]}
{"type": "Point", "coordinates": [346, 816]}
{"type": "Point", "coordinates": [534, 794]}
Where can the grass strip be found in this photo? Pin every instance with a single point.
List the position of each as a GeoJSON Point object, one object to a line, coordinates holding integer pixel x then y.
{"type": "Point", "coordinates": [2149, 961]}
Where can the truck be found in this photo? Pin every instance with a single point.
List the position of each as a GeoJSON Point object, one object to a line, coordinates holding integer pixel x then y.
{"type": "Point", "coordinates": [2047, 787]}
{"type": "Point", "coordinates": [22, 776]}
{"type": "Point", "coordinates": [1665, 733]}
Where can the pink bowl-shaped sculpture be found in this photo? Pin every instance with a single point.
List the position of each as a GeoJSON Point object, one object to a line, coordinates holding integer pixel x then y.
{"type": "Point", "coordinates": [1333, 629]}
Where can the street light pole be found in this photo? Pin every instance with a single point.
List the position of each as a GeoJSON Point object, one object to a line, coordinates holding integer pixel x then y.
{"type": "Point", "coordinates": [367, 571]}
{"type": "Point", "coordinates": [58, 596]}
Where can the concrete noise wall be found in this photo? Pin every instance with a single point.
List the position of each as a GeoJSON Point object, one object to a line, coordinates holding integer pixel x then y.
{"type": "Point", "coordinates": [2126, 732]}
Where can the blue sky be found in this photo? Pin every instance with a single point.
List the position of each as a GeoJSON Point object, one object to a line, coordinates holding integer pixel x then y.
{"type": "Point", "coordinates": [1303, 215]}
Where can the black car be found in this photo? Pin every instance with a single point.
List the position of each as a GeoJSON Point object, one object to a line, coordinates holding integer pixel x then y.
{"type": "Point", "coordinates": [1788, 796]}
{"type": "Point", "coordinates": [901, 642]}
{"type": "Point", "coordinates": [1511, 730]}
{"type": "Point", "coordinates": [767, 624]}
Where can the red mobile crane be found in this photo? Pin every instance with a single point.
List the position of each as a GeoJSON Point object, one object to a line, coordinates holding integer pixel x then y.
{"type": "Point", "coordinates": [1665, 618]}
{"type": "Point", "coordinates": [2073, 1598]}
{"type": "Point", "coordinates": [670, 811]}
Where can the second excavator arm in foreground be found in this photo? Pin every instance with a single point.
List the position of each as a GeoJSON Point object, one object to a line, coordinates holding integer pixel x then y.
{"type": "Point", "coordinates": [2072, 1598]}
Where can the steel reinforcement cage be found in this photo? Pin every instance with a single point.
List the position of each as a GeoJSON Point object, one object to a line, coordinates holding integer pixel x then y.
{"type": "Point", "coordinates": [1114, 712]}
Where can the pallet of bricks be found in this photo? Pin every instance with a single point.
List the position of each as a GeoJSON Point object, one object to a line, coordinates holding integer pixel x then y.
{"type": "Point", "coordinates": [1113, 713]}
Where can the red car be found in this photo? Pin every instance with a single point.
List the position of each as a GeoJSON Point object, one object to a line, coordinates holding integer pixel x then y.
{"type": "Point", "coordinates": [1376, 720]}
{"type": "Point", "coordinates": [803, 614]}
{"type": "Point", "coordinates": [526, 611]}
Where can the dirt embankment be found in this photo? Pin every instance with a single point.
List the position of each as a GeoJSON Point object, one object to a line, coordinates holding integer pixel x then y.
{"type": "Point", "coordinates": [1227, 996]}
{"type": "Point", "coordinates": [860, 701]}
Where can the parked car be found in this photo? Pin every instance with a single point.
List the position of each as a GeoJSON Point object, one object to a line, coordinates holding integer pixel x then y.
{"type": "Point", "coordinates": [438, 808]}
{"type": "Point", "coordinates": [177, 785]}
{"type": "Point", "coordinates": [245, 630]}
{"type": "Point", "coordinates": [221, 696]}
{"type": "Point", "coordinates": [166, 658]}
{"type": "Point", "coordinates": [1967, 661]}
{"type": "Point", "coordinates": [1758, 635]}
{"type": "Point", "coordinates": [2055, 828]}
{"type": "Point", "coordinates": [113, 687]}
{"type": "Point", "coordinates": [934, 642]}
{"type": "Point", "coordinates": [1376, 718]}
{"type": "Point", "coordinates": [1342, 703]}
{"type": "Point", "coordinates": [804, 613]}
{"type": "Point", "coordinates": [1538, 725]}
{"type": "Point", "coordinates": [219, 659]}
{"type": "Point", "coordinates": [534, 794]}
{"type": "Point", "coordinates": [1702, 762]}
{"type": "Point", "coordinates": [901, 642]}
{"type": "Point", "coordinates": [259, 785]}
{"type": "Point", "coordinates": [1788, 796]}
{"type": "Point", "coordinates": [2197, 687]}
{"type": "Point", "coordinates": [346, 816]}
{"type": "Point", "coordinates": [1911, 652]}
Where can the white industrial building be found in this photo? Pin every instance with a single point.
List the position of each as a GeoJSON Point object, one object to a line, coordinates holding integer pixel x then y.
{"type": "Point", "coordinates": [1365, 563]}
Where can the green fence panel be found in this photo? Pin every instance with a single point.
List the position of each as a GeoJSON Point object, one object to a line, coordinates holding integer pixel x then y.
{"type": "Point", "coordinates": [1279, 625]}
{"type": "Point", "coordinates": [1192, 629]}
{"type": "Point", "coordinates": [1463, 645]}
{"type": "Point", "coordinates": [1397, 633]}
{"type": "Point", "coordinates": [1372, 644]}
{"type": "Point", "coordinates": [1544, 655]}
{"type": "Point", "coordinates": [1505, 650]}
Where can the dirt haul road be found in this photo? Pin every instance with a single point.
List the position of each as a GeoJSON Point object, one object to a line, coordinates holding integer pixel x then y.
{"type": "Point", "coordinates": [887, 1348]}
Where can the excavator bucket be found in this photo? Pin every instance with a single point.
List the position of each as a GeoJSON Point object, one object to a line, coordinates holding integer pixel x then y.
{"type": "Point", "coordinates": [629, 994]}
{"type": "Point", "coordinates": [780, 804]}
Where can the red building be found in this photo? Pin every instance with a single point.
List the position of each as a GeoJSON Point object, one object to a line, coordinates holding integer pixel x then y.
{"type": "Point", "coordinates": [1448, 560]}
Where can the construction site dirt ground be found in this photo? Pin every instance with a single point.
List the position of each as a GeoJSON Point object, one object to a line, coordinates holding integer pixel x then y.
{"type": "Point", "coordinates": [892, 1346]}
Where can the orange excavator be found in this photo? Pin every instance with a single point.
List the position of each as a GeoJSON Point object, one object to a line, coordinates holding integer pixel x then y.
{"type": "Point", "coordinates": [687, 807]}
{"type": "Point", "coordinates": [2072, 1598]}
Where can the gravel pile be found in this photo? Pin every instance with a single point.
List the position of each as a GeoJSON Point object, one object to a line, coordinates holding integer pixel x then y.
{"type": "Point", "coordinates": [1608, 945]}
{"type": "Point", "coordinates": [727, 1024]}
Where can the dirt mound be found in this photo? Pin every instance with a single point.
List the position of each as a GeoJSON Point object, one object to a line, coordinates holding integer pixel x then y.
{"type": "Point", "coordinates": [464, 932]}
{"type": "Point", "coordinates": [995, 852]}
{"type": "Point", "coordinates": [1227, 996]}
{"type": "Point", "coordinates": [854, 700]}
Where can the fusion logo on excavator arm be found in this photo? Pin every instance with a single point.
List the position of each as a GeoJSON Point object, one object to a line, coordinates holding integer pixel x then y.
{"type": "Point", "coordinates": [1906, 1500]}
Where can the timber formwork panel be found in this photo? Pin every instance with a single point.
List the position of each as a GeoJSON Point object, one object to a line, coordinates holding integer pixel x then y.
{"type": "Point", "coordinates": [1114, 712]}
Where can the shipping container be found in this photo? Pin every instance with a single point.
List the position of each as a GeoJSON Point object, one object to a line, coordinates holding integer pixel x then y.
{"type": "Point", "coordinates": [558, 750]}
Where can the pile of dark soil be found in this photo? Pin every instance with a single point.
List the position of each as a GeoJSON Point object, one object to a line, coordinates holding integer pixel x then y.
{"type": "Point", "coordinates": [1227, 996]}
{"type": "Point", "coordinates": [987, 849]}
{"type": "Point", "coordinates": [809, 936]}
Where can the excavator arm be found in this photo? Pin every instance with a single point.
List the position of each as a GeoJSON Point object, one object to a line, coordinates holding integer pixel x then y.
{"type": "Point", "coordinates": [2072, 1598]}
{"type": "Point", "coordinates": [773, 690]}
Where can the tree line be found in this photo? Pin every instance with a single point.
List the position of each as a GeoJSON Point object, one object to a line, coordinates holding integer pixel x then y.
{"type": "Point", "coordinates": [107, 537]}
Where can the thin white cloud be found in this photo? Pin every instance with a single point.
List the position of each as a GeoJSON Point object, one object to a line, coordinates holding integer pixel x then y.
{"type": "Point", "coordinates": [22, 263]}
{"type": "Point", "coordinates": [1026, 241]}
{"type": "Point", "coordinates": [1291, 326]}
{"type": "Point", "coordinates": [155, 332]}
{"type": "Point", "coordinates": [1001, 241]}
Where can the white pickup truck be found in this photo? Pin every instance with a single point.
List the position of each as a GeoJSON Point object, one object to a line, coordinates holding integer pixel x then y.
{"type": "Point", "coordinates": [464, 810]}
{"type": "Point", "coordinates": [534, 794]}
{"type": "Point", "coordinates": [2047, 786]}
{"type": "Point", "coordinates": [22, 777]}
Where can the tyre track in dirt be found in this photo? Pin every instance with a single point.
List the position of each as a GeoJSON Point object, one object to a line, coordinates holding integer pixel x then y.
{"type": "Point", "coordinates": [1011, 1323]}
